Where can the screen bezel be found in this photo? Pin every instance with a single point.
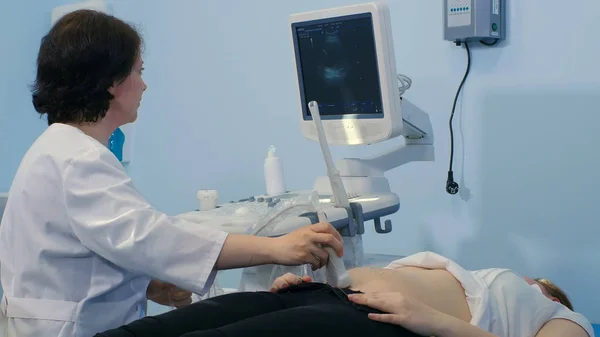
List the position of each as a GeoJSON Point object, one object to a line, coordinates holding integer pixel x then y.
{"type": "Point", "coordinates": [305, 111]}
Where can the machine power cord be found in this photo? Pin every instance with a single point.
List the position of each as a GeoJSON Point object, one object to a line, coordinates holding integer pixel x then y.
{"type": "Point", "coordinates": [452, 186]}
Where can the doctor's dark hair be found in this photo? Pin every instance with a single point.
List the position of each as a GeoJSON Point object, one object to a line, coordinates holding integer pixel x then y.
{"type": "Point", "coordinates": [83, 55]}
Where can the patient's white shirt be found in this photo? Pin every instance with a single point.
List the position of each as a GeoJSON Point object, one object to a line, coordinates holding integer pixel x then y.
{"type": "Point", "coordinates": [500, 300]}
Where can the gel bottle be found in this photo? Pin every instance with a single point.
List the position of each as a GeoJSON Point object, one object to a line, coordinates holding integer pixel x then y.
{"type": "Point", "coordinates": [274, 181]}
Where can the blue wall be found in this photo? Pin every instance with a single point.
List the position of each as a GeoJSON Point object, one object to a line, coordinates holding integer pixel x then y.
{"type": "Point", "coordinates": [22, 25]}
{"type": "Point", "coordinates": [218, 79]}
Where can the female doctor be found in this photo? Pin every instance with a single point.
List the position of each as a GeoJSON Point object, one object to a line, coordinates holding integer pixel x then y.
{"type": "Point", "coordinates": [79, 246]}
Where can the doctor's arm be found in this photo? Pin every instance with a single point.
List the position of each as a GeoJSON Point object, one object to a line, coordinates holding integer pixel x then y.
{"type": "Point", "coordinates": [111, 218]}
{"type": "Point", "coordinates": [298, 247]}
{"type": "Point", "coordinates": [242, 251]}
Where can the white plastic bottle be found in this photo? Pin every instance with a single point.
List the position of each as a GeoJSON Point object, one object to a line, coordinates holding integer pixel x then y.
{"type": "Point", "coordinates": [274, 174]}
{"type": "Point", "coordinates": [207, 199]}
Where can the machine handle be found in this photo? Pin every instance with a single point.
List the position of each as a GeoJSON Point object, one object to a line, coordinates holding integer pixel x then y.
{"type": "Point", "coordinates": [387, 226]}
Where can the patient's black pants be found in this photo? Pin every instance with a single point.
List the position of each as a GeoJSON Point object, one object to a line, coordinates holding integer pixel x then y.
{"type": "Point", "coordinates": [305, 310]}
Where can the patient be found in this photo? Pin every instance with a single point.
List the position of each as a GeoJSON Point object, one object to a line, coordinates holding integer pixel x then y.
{"type": "Point", "coordinates": [421, 295]}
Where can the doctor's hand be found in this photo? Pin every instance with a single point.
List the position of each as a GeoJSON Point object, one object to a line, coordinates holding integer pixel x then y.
{"type": "Point", "coordinates": [287, 280]}
{"type": "Point", "coordinates": [168, 294]}
{"type": "Point", "coordinates": [306, 245]}
{"type": "Point", "coordinates": [403, 310]}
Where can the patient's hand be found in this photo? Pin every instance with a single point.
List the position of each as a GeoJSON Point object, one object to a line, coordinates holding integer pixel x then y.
{"type": "Point", "coordinates": [168, 294]}
{"type": "Point", "coordinates": [287, 280]}
{"type": "Point", "coordinates": [402, 310]}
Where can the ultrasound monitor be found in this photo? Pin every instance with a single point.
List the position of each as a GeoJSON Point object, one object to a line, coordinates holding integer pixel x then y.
{"type": "Point", "coordinates": [344, 59]}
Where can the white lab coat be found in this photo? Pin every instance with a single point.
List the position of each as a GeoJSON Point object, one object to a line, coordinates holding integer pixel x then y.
{"type": "Point", "coordinates": [79, 244]}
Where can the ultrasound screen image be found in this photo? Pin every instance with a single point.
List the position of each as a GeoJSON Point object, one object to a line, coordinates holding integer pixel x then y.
{"type": "Point", "coordinates": [338, 66]}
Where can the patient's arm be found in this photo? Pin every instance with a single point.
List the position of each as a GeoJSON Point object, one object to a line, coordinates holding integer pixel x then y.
{"type": "Point", "coordinates": [560, 328]}
{"type": "Point", "coordinates": [453, 327]}
{"type": "Point", "coordinates": [448, 326]}
{"type": "Point", "coordinates": [416, 316]}
{"type": "Point", "coordinates": [168, 294]}
{"type": "Point", "coordinates": [287, 280]}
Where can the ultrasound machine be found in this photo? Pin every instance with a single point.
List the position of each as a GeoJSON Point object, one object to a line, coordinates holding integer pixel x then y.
{"type": "Point", "coordinates": [348, 93]}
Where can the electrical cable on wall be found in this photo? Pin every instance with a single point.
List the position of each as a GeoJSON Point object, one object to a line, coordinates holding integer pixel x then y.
{"type": "Point", "coordinates": [452, 186]}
